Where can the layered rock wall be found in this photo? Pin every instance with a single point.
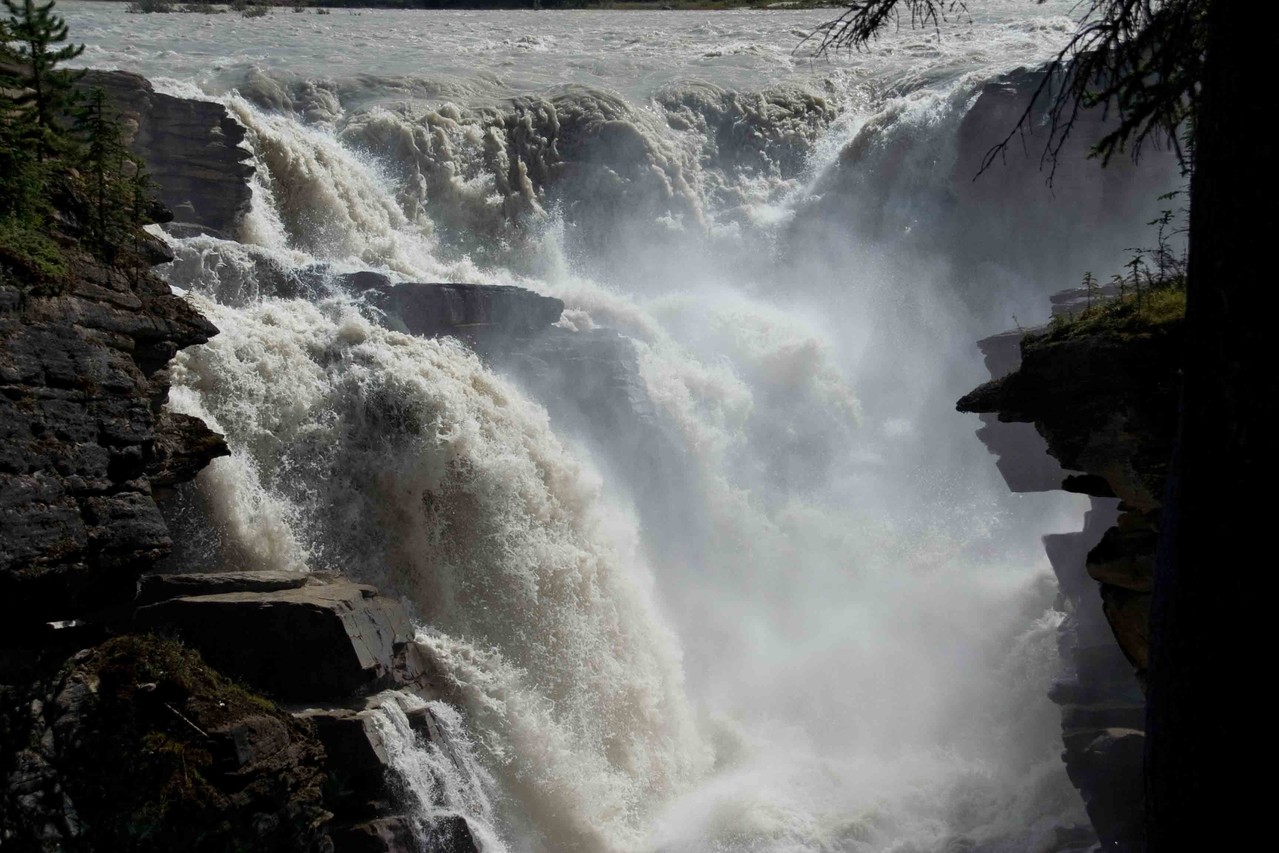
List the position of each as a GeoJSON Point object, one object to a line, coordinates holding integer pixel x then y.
{"type": "Point", "coordinates": [1101, 394]}
{"type": "Point", "coordinates": [192, 150]}
{"type": "Point", "coordinates": [84, 441]}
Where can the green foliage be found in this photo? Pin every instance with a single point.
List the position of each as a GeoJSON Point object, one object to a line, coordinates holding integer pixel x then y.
{"type": "Point", "coordinates": [1137, 312]}
{"type": "Point", "coordinates": [1151, 290]}
{"type": "Point", "coordinates": [33, 35]}
{"type": "Point", "coordinates": [112, 177]}
{"type": "Point", "coordinates": [27, 246]}
{"type": "Point", "coordinates": [66, 174]}
{"type": "Point", "coordinates": [147, 7]}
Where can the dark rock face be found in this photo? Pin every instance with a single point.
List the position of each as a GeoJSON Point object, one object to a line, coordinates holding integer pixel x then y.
{"type": "Point", "coordinates": [485, 315]}
{"type": "Point", "coordinates": [274, 638]}
{"type": "Point", "coordinates": [1106, 404]}
{"type": "Point", "coordinates": [137, 745]}
{"type": "Point", "coordinates": [83, 439]}
{"type": "Point", "coordinates": [191, 148]}
{"type": "Point", "coordinates": [1102, 399]}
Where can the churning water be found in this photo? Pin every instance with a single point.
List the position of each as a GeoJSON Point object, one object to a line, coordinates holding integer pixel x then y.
{"type": "Point", "coordinates": [825, 626]}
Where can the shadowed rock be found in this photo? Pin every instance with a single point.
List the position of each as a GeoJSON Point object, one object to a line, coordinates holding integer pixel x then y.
{"type": "Point", "coordinates": [275, 640]}
{"type": "Point", "coordinates": [1097, 397]}
{"type": "Point", "coordinates": [153, 588]}
{"type": "Point", "coordinates": [191, 149]}
{"type": "Point", "coordinates": [83, 438]}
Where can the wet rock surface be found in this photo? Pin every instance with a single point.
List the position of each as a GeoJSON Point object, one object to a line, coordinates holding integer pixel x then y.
{"type": "Point", "coordinates": [488, 316]}
{"type": "Point", "coordinates": [372, 812]}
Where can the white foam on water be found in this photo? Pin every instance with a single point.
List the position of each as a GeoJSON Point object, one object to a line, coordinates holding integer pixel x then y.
{"type": "Point", "coordinates": [843, 638]}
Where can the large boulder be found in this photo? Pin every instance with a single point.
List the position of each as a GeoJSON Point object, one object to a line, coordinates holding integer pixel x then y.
{"type": "Point", "coordinates": [324, 640]}
{"type": "Point", "coordinates": [486, 315]}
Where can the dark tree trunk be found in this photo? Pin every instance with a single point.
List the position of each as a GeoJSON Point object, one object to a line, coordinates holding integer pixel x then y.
{"type": "Point", "coordinates": [1206, 768]}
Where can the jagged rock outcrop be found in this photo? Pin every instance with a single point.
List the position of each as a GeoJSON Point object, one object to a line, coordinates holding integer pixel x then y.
{"type": "Point", "coordinates": [83, 437]}
{"type": "Point", "coordinates": [1104, 397]}
{"type": "Point", "coordinates": [191, 149]}
{"type": "Point", "coordinates": [487, 316]}
{"type": "Point", "coordinates": [335, 646]}
{"type": "Point", "coordinates": [1101, 393]}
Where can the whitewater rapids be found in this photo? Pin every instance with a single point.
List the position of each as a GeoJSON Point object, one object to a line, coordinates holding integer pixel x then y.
{"type": "Point", "coordinates": [834, 630]}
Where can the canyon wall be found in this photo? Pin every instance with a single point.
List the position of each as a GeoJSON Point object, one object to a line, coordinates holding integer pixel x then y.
{"type": "Point", "coordinates": [1101, 393]}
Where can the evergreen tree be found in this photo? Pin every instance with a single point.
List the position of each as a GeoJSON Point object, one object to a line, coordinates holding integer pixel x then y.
{"type": "Point", "coordinates": [19, 183]}
{"type": "Point", "coordinates": [109, 170]}
{"type": "Point", "coordinates": [33, 35]}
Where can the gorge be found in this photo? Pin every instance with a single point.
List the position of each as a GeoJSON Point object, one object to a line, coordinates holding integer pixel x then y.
{"type": "Point", "coordinates": [578, 467]}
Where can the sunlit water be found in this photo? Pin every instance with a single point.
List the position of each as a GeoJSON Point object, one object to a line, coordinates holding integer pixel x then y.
{"type": "Point", "coordinates": [832, 629]}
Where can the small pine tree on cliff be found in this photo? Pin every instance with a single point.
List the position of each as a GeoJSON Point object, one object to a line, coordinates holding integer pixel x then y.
{"type": "Point", "coordinates": [19, 185]}
{"type": "Point", "coordinates": [34, 34]}
{"type": "Point", "coordinates": [108, 169]}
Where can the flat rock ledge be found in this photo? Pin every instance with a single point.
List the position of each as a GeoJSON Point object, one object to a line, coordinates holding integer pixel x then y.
{"type": "Point", "coordinates": [269, 631]}
{"type": "Point", "coordinates": [333, 651]}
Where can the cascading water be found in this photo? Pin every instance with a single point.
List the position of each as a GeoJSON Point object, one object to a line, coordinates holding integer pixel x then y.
{"type": "Point", "coordinates": [442, 776]}
{"type": "Point", "coordinates": [825, 626]}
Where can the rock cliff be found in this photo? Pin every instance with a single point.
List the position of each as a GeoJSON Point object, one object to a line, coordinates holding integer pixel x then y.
{"type": "Point", "coordinates": [120, 724]}
{"type": "Point", "coordinates": [1101, 393]}
{"type": "Point", "coordinates": [84, 440]}
{"type": "Point", "coordinates": [191, 148]}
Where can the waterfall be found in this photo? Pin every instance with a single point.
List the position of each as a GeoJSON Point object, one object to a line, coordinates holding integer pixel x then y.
{"type": "Point", "coordinates": [440, 773]}
{"type": "Point", "coordinates": [818, 622]}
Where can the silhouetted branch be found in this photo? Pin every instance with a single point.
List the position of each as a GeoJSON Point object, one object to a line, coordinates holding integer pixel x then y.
{"type": "Point", "coordinates": [1140, 58]}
